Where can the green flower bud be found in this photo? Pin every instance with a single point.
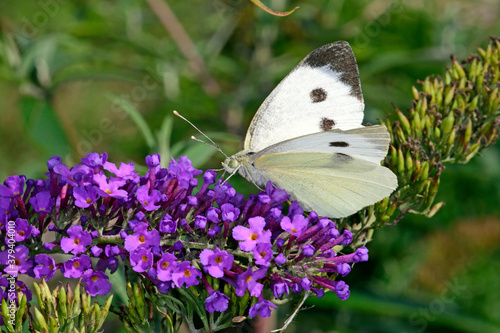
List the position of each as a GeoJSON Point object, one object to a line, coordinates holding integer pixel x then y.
{"type": "Point", "coordinates": [53, 325]}
{"type": "Point", "coordinates": [104, 312]}
{"type": "Point", "coordinates": [493, 101]}
{"type": "Point", "coordinates": [38, 292]}
{"type": "Point", "coordinates": [421, 107]}
{"type": "Point", "coordinates": [425, 171]}
{"type": "Point", "coordinates": [385, 218]}
{"type": "Point", "coordinates": [473, 104]}
{"type": "Point", "coordinates": [62, 306]}
{"type": "Point", "coordinates": [139, 300]}
{"type": "Point", "coordinates": [489, 51]}
{"type": "Point", "coordinates": [449, 96]}
{"type": "Point", "coordinates": [462, 83]}
{"type": "Point", "coordinates": [94, 314]}
{"type": "Point", "coordinates": [447, 124]}
{"type": "Point", "coordinates": [40, 323]}
{"type": "Point", "coordinates": [433, 188]}
{"type": "Point", "coordinates": [473, 69]}
{"type": "Point", "coordinates": [405, 123]}
{"type": "Point", "coordinates": [400, 135]}
{"type": "Point", "coordinates": [426, 85]}
{"type": "Point", "coordinates": [435, 209]}
{"type": "Point", "coordinates": [417, 126]}
{"type": "Point", "coordinates": [486, 128]}
{"type": "Point", "coordinates": [393, 156]}
{"type": "Point", "coordinates": [6, 318]}
{"type": "Point", "coordinates": [472, 151]}
{"type": "Point", "coordinates": [77, 306]}
{"type": "Point", "coordinates": [496, 73]}
{"type": "Point", "coordinates": [450, 142]}
{"type": "Point", "coordinates": [492, 137]}
{"type": "Point", "coordinates": [392, 208]}
{"type": "Point", "coordinates": [70, 299]}
{"type": "Point", "coordinates": [409, 162]}
{"type": "Point", "coordinates": [458, 70]}
{"type": "Point", "coordinates": [381, 206]}
{"type": "Point", "coordinates": [86, 304]}
{"type": "Point", "coordinates": [401, 161]}
{"type": "Point", "coordinates": [467, 134]}
{"type": "Point", "coordinates": [482, 53]}
{"type": "Point", "coordinates": [447, 77]}
{"type": "Point", "coordinates": [415, 93]}
{"type": "Point", "coordinates": [437, 132]}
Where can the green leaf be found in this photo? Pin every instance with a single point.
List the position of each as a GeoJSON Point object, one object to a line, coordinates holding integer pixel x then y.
{"type": "Point", "coordinates": [42, 126]}
{"type": "Point", "coordinates": [136, 117]}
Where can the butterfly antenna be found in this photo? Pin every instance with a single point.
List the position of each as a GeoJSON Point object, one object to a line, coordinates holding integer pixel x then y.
{"type": "Point", "coordinates": [232, 174]}
{"type": "Point", "coordinates": [214, 145]}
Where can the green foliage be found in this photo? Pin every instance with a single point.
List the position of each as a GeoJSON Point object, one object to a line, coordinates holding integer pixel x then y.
{"type": "Point", "coordinates": [450, 121]}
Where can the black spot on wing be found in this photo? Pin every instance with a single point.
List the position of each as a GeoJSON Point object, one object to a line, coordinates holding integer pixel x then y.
{"type": "Point", "coordinates": [326, 124]}
{"type": "Point", "coordinates": [341, 157]}
{"type": "Point", "coordinates": [339, 144]}
{"type": "Point", "coordinates": [318, 95]}
{"type": "Point", "coordinates": [339, 58]}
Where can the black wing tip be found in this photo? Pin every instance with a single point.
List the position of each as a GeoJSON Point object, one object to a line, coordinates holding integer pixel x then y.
{"type": "Point", "coordinates": [331, 54]}
{"type": "Point", "coordinates": [339, 58]}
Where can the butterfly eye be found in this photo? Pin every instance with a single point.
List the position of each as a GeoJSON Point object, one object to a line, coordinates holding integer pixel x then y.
{"type": "Point", "coordinates": [232, 163]}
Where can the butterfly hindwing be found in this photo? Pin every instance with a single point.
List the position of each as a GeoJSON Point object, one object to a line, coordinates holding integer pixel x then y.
{"type": "Point", "coordinates": [334, 185]}
{"type": "Point", "coordinates": [322, 93]}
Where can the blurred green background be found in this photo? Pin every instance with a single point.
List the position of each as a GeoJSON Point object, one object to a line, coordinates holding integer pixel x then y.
{"type": "Point", "coordinates": [105, 76]}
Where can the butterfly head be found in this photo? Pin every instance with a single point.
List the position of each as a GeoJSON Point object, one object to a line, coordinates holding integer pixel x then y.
{"type": "Point", "coordinates": [242, 163]}
{"type": "Point", "coordinates": [231, 164]}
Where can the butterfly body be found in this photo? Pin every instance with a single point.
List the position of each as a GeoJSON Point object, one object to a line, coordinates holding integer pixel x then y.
{"type": "Point", "coordinates": [307, 138]}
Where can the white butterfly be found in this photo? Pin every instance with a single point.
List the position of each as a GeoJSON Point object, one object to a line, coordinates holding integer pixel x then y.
{"type": "Point", "coordinates": [307, 138]}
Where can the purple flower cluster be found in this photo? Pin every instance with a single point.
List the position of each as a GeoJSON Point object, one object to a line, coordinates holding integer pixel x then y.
{"type": "Point", "coordinates": [175, 237]}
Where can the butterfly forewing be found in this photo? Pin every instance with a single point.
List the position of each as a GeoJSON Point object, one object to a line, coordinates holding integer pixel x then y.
{"type": "Point", "coordinates": [322, 93]}
{"type": "Point", "coordinates": [367, 143]}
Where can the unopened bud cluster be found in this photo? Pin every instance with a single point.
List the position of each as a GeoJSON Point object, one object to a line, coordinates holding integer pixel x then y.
{"type": "Point", "coordinates": [450, 120]}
